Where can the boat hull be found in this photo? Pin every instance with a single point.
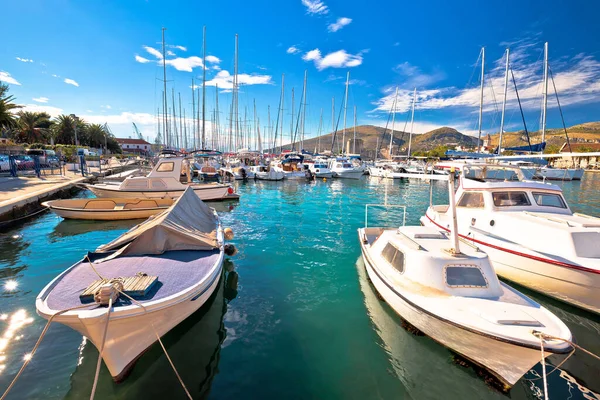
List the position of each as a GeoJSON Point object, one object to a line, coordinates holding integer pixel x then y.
{"type": "Point", "coordinates": [517, 264]}
{"type": "Point", "coordinates": [508, 362]}
{"type": "Point", "coordinates": [348, 174]}
{"type": "Point", "coordinates": [269, 176]}
{"type": "Point", "coordinates": [129, 334]}
{"type": "Point", "coordinates": [106, 215]}
{"type": "Point", "coordinates": [208, 193]}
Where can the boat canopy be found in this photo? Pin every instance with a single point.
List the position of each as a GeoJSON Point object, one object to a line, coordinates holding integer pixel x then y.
{"type": "Point", "coordinates": [188, 225]}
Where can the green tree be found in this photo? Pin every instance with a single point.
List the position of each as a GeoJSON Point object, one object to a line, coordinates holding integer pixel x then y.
{"type": "Point", "coordinates": [63, 130]}
{"type": "Point", "coordinates": [32, 127]}
{"type": "Point", "coordinates": [552, 149]}
{"type": "Point", "coordinates": [8, 119]}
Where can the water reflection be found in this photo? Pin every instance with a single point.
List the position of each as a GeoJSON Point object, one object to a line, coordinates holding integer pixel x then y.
{"type": "Point", "coordinates": [15, 322]}
{"type": "Point", "coordinates": [72, 227]}
{"type": "Point", "coordinates": [194, 347]}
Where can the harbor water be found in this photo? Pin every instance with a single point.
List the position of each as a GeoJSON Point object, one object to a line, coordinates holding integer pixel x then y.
{"type": "Point", "coordinates": [294, 317]}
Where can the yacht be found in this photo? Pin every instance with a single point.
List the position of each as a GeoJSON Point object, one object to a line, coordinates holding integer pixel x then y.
{"type": "Point", "coordinates": [531, 235]}
{"type": "Point", "coordinates": [341, 167]}
{"type": "Point", "coordinates": [163, 181]}
{"type": "Point", "coordinates": [292, 166]}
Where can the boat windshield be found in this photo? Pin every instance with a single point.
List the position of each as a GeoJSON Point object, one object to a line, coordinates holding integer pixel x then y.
{"type": "Point", "coordinates": [549, 200]}
{"type": "Point", "coordinates": [510, 199]}
{"type": "Point", "coordinates": [471, 200]}
{"type": "Point", "coordinates": [465, 276]}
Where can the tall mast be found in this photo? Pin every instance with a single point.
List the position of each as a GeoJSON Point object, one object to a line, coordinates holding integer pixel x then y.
{"type": "Point", "coordinates": [158, 127]}
{"type": "Point", "coordinates": [503, 103]}
{"type": "Point", "coordinates": [165, 130]}
{"type": "Point", "coordinates": [412, 121]}
{"type": "Point", "coordinates": [180, 124]}
{"type": "Point", "coordinates": [217, 117]}
{"type": "Point", "coordinates": [204, 87]}
{"type": "Point", "coordinates": [303, 111]}
{"type": "Point", "coordinates": [345, 110]}
{"type": "Point", "coordinates": [193, 130]}
{"type": "Point", "coordinates": [292, 122]}
{"type": "Point", "coordinates": [481, 96]}
{"type": "Point", "coordinates": [393, 121]}
{"type": "Point", "coordinates": [354, 138]}
{"type": "Point", "coordinates": [185, 138]}
{"type": "Point", "coordinates": [175, 133]}
{"type": "Point", "coordinates": [320, 132]}
{"type": "Point", "coordinates": [544, 109]}
{"type": "Point", "coordinates": [198, 142]}
{"type": "Point", "coordinates": [282, 115]}
{"type": "Point", "coordinates": [269, 127]}
{"type": "Point", "coordinates": [255, 131]}
{"type": "Point", "coordinates": [332, 121]}
{"type": "Point", "coordinates": [235, 88]}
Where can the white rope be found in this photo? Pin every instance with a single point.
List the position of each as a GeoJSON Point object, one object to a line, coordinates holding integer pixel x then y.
{"type": "Point", "coordinates": [101, 349]}
{"type": "Point", "coordinates": [544, 367]}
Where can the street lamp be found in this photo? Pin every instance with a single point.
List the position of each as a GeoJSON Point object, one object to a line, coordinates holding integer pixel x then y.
{"type": "Point", "coordinates": [75, 120]}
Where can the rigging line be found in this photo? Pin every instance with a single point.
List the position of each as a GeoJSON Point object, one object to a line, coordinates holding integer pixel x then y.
{"type": "Point", "coordinates": [336, 127]}
{"type": "Point", "coordinates": [561, 113]}
{"type": "Point", "coordinates": [386, 127]}
{"type": "Point", "coordinates": [522, 115]}
{"type": "Point", "coordinates": [474, 68]}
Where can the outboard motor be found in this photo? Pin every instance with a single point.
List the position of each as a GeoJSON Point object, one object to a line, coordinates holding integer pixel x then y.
{"type": "Point", "coordinates": [244, 174]}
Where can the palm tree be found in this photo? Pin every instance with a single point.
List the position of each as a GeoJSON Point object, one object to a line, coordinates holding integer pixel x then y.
{"type": "Point", "coordinates": [63, 130]}
{"type": "Point", "coordinates": [32, 127]}
{"type": "Point", "coordinates": [7, 109]}
{"type": "Point", "coordinates": [95, 135]}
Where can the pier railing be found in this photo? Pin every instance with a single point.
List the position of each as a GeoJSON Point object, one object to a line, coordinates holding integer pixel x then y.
{"type": "Point", "coordinates": [386, 206]}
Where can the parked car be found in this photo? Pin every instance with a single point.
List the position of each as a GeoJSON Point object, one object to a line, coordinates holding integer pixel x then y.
{"type": "Point", "coordinates": [24, 162]}
{"type": "Point", "coordinates": [4, 164]}
{"type": "Point", "coordinates": [48, 158]}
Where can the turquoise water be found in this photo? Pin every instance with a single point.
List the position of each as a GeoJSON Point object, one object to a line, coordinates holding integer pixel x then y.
{"type": "Point", "coordinates": [303, 321]}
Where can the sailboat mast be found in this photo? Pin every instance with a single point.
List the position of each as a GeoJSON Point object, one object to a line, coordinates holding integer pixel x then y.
{"type": "Point", "coordinates": [292, 122]}
{"type": "Point", "coordinates": [256, 141]}
{"type": "Point", "coordinates": [193, 130]}
{"type": "Point", "coordinates": [303, 110]}
{"type": "Point", "coordinates": [175, 133]}
{"type": "Point", "coordinates": [393, 121]}
{"type": "Point", "coordinates": [204, 87]}
{"type": "Point", "coordinates": [165, 130]}
{"type": "Point", "coordinates": [345, 110]}
{"type": "Point", "coordinates": [198, 121]}
{"type": "Point", "coordinates": [545, 107]}
{"type": "Point", "coordinates": [481, 97]}
{"type": "Point", "coordinates": [354, 138]}
{"type": "Point", "coordinates": [332, 121]}
{"type": "Point", "coordinates": [504, 102]}
{"type": "Point", "coordinates": [185, 138]}
{"type": "Point", "coordinates": [412, 121]}
{"type": "Point", "coordinates": [219, 142]}
{"type": "Point", "coordinates": [282, 115]}
{"type": "Point", "coordinates": [158, 126]}
{"type": "Point", "coordinates": [269, 127]}
{"type": "Point", "coordinates": [235, 94]}
{"type": "Point", "coordinates": [180, 123]}
{"type": "Point", "coordinates": [320, 132]}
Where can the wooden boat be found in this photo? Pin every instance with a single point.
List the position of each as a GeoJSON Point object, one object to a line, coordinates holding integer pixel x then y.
{"type": "Point", "coordinates": [178, 252]}
{"type": "Point", "coordinates": [107, 209]}
{"type": "Point", "coordinates": [454, 296]}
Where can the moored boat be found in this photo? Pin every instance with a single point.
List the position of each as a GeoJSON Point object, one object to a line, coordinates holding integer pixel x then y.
{"type": "Point", "coordinates": [108, 209]}
{"type": "Point", "coordinates": [174, 262]}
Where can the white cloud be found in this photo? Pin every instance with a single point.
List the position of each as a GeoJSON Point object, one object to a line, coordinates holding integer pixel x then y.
{"type": "Point", "coordinates": [213, 59]}
{"type": "Point", "coordinates": [170, 53]}
{"type": "Point", "coordinates": [315, 7]}
{"type": "Point", "coordinates": [53, 111]}
{"type": "Point", "coordinates": [5, 77]}
{"type": "Point", "coordinates": [108, 107]}
{"type": "Point", "coordinates": [182, 48]}
{"type": "Point", "coordinates": [216, 68]}
{"type": "Point", "coordinates": [421, 127]}
{"type": "Point", "coordinates": [293, 50]}
{"type": "Point", "coordinates": [225, 80]}
{"type": "Point", "coordinates": [55, 76]}
{"type": "Point", "coordinates": [339, 24]}
{"type": "Point", "coordinates": [24, 59]}
{"type": "Point", "coordinates": [412, 76]}
{"type": "Point", "coordinates": [141, 59]}
{"type": "Point", "coordinates": [40, 99]}
{"type": "Point", "coordinates": [185, 64]}
{"type": "Point", "coordinates": [71, 82]}
{"type": "Point", "coordinates": [337, 59]}
{"type": "Point", "coordinates": [154, 52]}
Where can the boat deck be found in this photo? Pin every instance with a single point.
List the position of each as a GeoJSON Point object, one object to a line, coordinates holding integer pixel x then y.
{"type": "Point", "coordinates": [176, 271]}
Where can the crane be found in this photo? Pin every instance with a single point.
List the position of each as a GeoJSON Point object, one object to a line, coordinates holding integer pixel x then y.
{"type": "Point", "coordinates": [137, 131]}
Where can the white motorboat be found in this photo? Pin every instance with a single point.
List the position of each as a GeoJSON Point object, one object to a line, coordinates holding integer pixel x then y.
{"type": "Point", "coordinates": [292, 166]}
{"type": "Point", "coordinates": [107, 209]}
{"type": "Point", "coordinates": [454, 296]}
{"type": "Point", "coordinates": [320, 169]}
{"type": "Point", "coordinates": [162, 181]}
{"type": "Point", "coordinates": [559, 174]}
{"type": "Point", "coordinates": [377, 172]}
{"type": "Point", "coordinates": [238, 173]}
{"type": "Point", "coordinates": [265, 173]}
{"type": "Point", "coordinates": [530, 233]}
{"type": "Point", "coordinates": [343, 168]}
{"type": "Point", "coordinates": [174, 260]}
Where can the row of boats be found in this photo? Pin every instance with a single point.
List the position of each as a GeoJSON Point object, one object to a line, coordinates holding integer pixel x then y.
{"type": "Point", "coordinates": [442, 276]}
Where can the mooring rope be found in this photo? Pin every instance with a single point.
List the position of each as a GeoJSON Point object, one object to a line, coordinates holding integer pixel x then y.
{"type": "Point", "coordinates": [543, 367]}
{"type": "Point", "coordinates": [101, 349]}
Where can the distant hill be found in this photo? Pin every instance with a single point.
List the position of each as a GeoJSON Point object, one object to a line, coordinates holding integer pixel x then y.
{"type": "Point", "coordinates": [370, 136]}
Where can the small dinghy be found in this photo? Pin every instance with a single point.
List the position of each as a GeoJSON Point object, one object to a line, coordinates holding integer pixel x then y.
{"type": "Point", "coordinates": [151, 277]}
{"type": "Point", "coordinates": [454, 296]}
{"type": "Point", "coordinates": [107, 209]}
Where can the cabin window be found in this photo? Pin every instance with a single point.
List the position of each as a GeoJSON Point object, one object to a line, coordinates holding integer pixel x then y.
{"type": "Point", "coordinates": [465, 276]}
{"type": "Point", "coordinates": [338, 165]}
{"type": "Point", "coordinates": [471, 200]}
{"type": "Point", "coordinates": [394, 256]}
{"type": "Point", "coordinates": [166, 167]}
{"type": "Point", "coordinates": [549, 200]}
{"type": "Point", "coordinates": [510, 199]}
{"type": "Point", "coordinates": [158, 184]}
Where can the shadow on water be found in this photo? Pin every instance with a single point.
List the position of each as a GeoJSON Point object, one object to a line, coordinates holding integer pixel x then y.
{"type": "Point", "coordinates": [194, 346]}
{"type": "Point", "coordinates": [428, 370]}
{"type": "Point", "coordinates": [73, 227]}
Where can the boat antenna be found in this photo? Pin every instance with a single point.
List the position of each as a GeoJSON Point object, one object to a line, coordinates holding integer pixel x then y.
{"type": "Point", "coordinates": [521, 108]}
{"type": "Point", "coordinates": [454, 232]}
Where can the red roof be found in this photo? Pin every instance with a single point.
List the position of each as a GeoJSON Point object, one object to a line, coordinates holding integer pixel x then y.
{"type": "Point", "coordinates": [577, 147]}
{"type": "Point", "coordinates": [131, 141]}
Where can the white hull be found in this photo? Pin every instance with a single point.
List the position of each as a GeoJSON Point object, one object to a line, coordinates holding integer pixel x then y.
{"type": "Point", "coordinates": [408, 175]}
{"type": "Point", "coordinates": [560, 174]}
{"type": "Point", "coordinates": [236, 175]}
{"type": "Point", "coordinates": [269, 176]}
{"type": "Point", "coordinates": [348, 174]}
{"type": "Point", "coordinates": [296, 175]}
{"type": "Point", "coordinates": [508, 362]}
{"type": "Point", "coordinates": [106, 215]}
{"type": "Point", "coordinates": [208, 193]}
{"type": "Point", "coordinates": [130, 330]}
{"type": "Point", "coordinates": [528, 268]}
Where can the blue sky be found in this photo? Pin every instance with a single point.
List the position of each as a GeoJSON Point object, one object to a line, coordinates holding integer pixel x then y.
{"type": "Point", "coordinates": [96, 59]}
